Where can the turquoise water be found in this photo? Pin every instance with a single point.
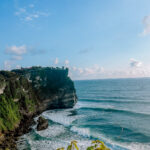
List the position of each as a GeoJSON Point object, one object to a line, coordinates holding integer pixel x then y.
{"type": "Point", "coordinates": [116, 111]}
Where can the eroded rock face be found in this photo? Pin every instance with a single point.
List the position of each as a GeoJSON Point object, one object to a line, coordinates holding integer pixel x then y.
{"type": "Point", "coordinates": [53, 87]}
{"type": "Point", "coordinates": [42, 124]}
{"type": "Point", "coordinates": [28, 92]}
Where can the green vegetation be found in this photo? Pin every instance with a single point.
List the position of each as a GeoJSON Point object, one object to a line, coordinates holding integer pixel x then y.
{"type": "Point", "coordinates": [22, 92]}
{"type": "Point", "coordinates": [49, 79]}
{"type": "Point", "coordinates": [9, 114]}
{"type": "Point", "coordinates": [16, 100]}
{"type": "Point", "coordinates": [73, 146]}
{"type": "Point", "coordinates": [30, 105]}
{"type": "Point", "coordinates": [96, 145]}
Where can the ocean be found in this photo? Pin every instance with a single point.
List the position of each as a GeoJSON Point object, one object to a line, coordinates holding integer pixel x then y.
{"type": "Point", "coordinates": [116, 111]}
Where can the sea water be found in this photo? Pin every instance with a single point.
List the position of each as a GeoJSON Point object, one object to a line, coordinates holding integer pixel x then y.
{"type": "Point", "coordinates": [116, 111]}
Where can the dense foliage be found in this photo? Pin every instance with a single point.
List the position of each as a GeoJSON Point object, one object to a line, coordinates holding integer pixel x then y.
{"type": "Point", "coordinates": [48, 78]}
{"type": "Point", "coordinates": [9, 114]}
{"type": "Point", "coordinates": [16, 99]}
{"type": "Point", "coordinates": [22, 91]}
{"type": "Point", "coordinates": [96, 145]}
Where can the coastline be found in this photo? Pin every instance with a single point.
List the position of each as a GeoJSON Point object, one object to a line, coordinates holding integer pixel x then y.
{"type": "Point", "coordinates": [29, 92]}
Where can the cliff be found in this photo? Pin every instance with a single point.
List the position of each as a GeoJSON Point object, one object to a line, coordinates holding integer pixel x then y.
{"type": "Point", "coordinates": [27, 92]}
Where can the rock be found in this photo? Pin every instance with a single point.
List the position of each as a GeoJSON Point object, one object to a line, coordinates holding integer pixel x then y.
{"type": "Point", "coordinates": [52, 87]}
{"type": "Point", "coordinates": [42, 124]}
{"type": "Point", "coordinates": [26, 93]}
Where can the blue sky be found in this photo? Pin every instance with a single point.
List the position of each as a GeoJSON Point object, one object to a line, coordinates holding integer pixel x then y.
{"type": "Point", "coordinates": [94, 38]}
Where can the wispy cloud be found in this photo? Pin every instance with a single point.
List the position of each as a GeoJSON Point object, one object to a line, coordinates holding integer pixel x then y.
{"type": "Point", "coordinates": [90, 73]}
{"type": "Point", "coordinates": [56, 61]}
{"type": "Point", "coordinates": [87, 72]}
{"type": "Point", "coordinates": [16, 53]}
{"type": "Point", "coordinates": [30, 17]}
{"type": "Point", "coordinates": [146, 23]}
{"type": "Point", "coordinates": [136, 69]}
{"type": "Point", "coordinates": [20, 11]}
{"type": "Point", "coordinates": [135, 63]}
{"type": "Point", "coordinates": [66, 62]}
{"type": "Point", "coordinates": [30, 13]}
{"type": "Point", "coordinates": [8, 64]}
{"type": "Point", "coordinates": [16, 50]}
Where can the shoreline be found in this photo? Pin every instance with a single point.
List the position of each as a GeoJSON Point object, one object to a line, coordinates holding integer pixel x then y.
{"type": "Point", "coordinates": [27, 92]}
{"type": "Point", "coordinates": [11, 138]}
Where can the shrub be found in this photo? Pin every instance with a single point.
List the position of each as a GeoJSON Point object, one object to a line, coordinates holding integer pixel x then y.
{"type": "Point", "coordinates": [96, 145]}
{"type": "Point", "coordinates": [9, 114]}
{"type": "Point", "coordinates": [30, 105]}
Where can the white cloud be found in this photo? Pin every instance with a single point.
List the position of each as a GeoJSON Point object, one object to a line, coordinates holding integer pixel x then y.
{"type": "Point", "coordinates": [94, 70]}
{"type": "Point", "coordinates": [80, 70]}
{"type": "Point", "coordinates": [87, 72]}
{"type": "Point", "coordinates": [146, 22]}
{"type": "Point", "coordinates": [135, 70]}
{"type": "Point", "coordinates": [135, 63]}
{"type": "Point", "coordinates": [28, 18]}
{"type": "Point", "coordinates": [56, 61]}
{"type": "Point", "coordinates": [74, 68]}
{"type": "Point", "coordinates": [16, 50]}
{"type": "Point", "coordinates": [20, 11]}
{"type": "Point", "coordinates": [30, 13]}
{"type": "Point", "coordinates": [16, 53]}
{"type": "Point", "coordinates": [10, 64]}
{"type": "Point", "coordinates": [31, 17]}
{"type": "Point", "coordinates": [7, 64]}
{"type": "Point", "coordinates": [66, 62]}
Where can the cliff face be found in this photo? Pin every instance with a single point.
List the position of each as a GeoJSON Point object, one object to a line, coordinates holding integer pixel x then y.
{"type": "Point", "coordinates": [16, 100]}
{"type": "Point", "coordinates": [27, 92]}
{"type": "Point", "coordinates": [53, 87]}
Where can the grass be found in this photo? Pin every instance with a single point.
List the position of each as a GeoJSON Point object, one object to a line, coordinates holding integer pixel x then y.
{"type": "Point", "coordinates": [30, 105]}
{"type": "Point", "coordinates": [9, 114]}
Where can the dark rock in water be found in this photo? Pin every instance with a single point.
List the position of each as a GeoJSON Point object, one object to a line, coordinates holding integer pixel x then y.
{"type": "Point", "coordinates": [42, 124]}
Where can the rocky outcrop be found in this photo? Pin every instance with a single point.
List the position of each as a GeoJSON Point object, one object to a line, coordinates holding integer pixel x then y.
{"type": "Point", "coordinates": [42, 124]}
{"type": "Point", "coordinates": [53, 87]}
{"type": "Point", "coordinates": [26, 92]}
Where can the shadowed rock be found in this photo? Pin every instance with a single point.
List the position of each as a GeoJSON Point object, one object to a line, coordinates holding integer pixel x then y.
{"type": "Point", "coordinates": [42, 124]}
{"type": "Point", "coordinates": [26, 93]}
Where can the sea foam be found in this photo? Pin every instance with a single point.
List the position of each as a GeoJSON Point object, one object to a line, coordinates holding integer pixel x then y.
{"type": "Point", "coordinates": [81, 131]}
{"type": "Point", "coordinates": [52, 131]}
{"type": "Point", "coordinates": [64, 117]}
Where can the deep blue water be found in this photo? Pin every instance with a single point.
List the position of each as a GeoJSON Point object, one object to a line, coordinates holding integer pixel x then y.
{"type": "Point", "coordinates": [116, 111]}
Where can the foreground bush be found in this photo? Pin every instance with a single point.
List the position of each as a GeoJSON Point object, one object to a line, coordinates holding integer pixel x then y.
{"type": "Point", "coordinates": [96, 145]}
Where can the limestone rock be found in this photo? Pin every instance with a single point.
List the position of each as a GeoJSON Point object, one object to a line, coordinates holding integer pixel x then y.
{"type": "Point", "coordinates": [42, 124]}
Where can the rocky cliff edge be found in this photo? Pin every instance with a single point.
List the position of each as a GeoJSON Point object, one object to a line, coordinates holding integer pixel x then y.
{"type": "Point", "coordinates": [25, 93]}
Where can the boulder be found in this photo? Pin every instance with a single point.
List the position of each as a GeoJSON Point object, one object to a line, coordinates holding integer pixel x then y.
{"type": "Point", "coordinates": [42, 124]}
{"type": "Point", "coordinates": [27, 92]}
